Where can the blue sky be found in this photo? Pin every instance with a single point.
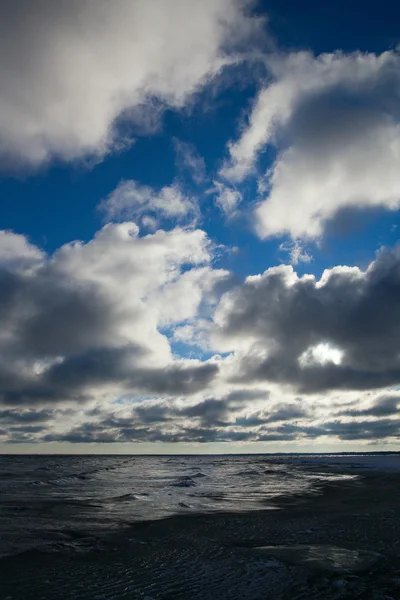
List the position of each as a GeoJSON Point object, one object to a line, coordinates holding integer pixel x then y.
{"type": "Point", "coordinates": [261, 140]}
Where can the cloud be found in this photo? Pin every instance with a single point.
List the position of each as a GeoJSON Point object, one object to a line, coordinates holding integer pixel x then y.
{"type": "Point", "coordinates": [133, 201]}
{"type": "Point", "coordinates": [111, 432]}
{"type": "Point", "coordinates": [227, 198]}
{"type": "Point", "coordinates": [348, 430]}
{"type": "Point", "coordinates": [15, 417]}
{"type": "Point", "coordinates": [242, 415]}
{"type": "Point", "coordinates": [70, 72]}
{"type": "Point", "coordinates": [296, 251]}
{"type": "Point", "coordinates": [189, 160]}
{"type": "Point", "coordinates": [334, 121]}
{"type": "Point", "coordinates": [385, 406]}
{"type": "Point", "coordinates": [277, 413]}
{"type": "Point", "coordinates": [16, 253]}
{"type": "Point", "coordinates": [85, 345]}
{"type": "Point", "coordinates": [86, 322]}
{"type": "Point", "coordinates": [341, 332]}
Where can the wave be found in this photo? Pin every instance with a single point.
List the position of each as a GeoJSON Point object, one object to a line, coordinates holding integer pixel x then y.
{"type": "Point", "coordinates": [123, 498]}
{"type": "Point", "coordinates": [185, 482]}
{"type": "Point", "coordinates": [64, 479]}
{"type": "Point", "coordinates": [249, 472]}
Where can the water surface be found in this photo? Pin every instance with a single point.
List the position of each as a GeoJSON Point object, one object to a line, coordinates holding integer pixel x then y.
{"type": "Point", "coordinates": [58, 500]}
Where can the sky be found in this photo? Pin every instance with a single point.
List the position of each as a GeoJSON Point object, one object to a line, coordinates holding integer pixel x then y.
{"type": "Point", "coordinates": [199, 226]}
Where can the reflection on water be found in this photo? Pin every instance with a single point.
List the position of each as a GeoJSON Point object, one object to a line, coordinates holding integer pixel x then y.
{"type": "Point", "coordinates": [54, 497]}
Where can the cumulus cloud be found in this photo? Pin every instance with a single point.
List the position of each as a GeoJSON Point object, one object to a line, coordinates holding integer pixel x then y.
{"type": "Point", "coordinates": [86, 333]}
{"type": "Point", "coordinates": [16, 253]}
{"type": "Point", "coordinates": [86, 322]}
{"type": "Point", "coordinates": [133, 201]}
{"type": "Point", "coordinates": [341, 332]}
{"type": "Point", "coordinates": [70, 70]}
{"type": "Point", "coordinates": [335, 123]}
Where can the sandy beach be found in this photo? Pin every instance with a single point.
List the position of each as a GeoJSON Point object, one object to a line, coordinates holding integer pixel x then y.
{"type": "Point", "coordinates": [342, 541]}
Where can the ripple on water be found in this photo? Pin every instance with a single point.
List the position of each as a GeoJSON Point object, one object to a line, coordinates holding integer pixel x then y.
{"type": "Point", "coordinates": [327, 558]}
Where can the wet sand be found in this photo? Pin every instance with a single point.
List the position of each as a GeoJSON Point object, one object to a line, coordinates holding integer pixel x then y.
{"type": "Point", "coordinates": [343, 542]}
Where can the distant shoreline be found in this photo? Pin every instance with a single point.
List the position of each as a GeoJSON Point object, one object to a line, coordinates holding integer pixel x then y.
{"type": "Point", "coordinates": [286, 454]}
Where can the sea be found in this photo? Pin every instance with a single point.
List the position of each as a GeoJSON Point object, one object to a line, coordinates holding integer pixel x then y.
{"type": "Point", "coordinates": [57, 502]}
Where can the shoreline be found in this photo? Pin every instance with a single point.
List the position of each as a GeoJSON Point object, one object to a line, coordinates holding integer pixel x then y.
{"type": "Point", "coordinates": [253, 555]}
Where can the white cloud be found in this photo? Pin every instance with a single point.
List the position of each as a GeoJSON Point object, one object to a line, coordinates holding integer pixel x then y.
{"type": "Point", "coordinates": [321, 354]}
{"type": "Point", "coordinates": [131, 200]}
{"type": "Point", "coordinates": [17, 253]}
{"type": "Point", "coordinates": [335, 122]}
{"type": "Point", "coordinates": [228, 198]}
{"type": "Point", "coordinates": [68, 71]}
{"type": "Point", "coordinates": [296, 251]}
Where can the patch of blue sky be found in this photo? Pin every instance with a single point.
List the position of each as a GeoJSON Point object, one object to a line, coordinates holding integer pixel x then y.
{"type": "Point", "coordinates": [328, 26]}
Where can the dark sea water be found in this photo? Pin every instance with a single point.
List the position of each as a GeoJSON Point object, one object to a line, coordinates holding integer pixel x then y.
{"type": "Point", "coordinates": [59, 501]}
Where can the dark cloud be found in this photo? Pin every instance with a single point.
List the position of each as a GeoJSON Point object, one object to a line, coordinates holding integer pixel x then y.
{"type": "Point", "coordinates": [383, 407]}
{"type": "Point", "coordinates": [68, 380]}
{"type": "Point", "coordinates": [280, 412]}
{"type": "Point", "coordinates": [210, 410]}
{"type": "Point", "coordinates": [174, 379]}
{"type": "Point", "coordinates": [117, 365]}
{"type": "Point", "coordinates": [286, 317]}
{"type": "Point", "coordinates": [167, 426]}
{"type": "Point", "coordinates": [218, 411]}
{"type": "Point", "coordinates": [25, 416]}
{"type": "Point", "coordinates": [54, 314]}
{"type": "Point", "coordinates": [25, 429]}
{"type": "Point", "coordinates": [157, 413]}
{"type": "Point", "coordinates": [351, 430]}
{"type": "Point", "coordinates": [68, 326]}
{"type": "Point", "coordinates": [343, 112]}
{"type": "Point", "coordinates": [105, 433]}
